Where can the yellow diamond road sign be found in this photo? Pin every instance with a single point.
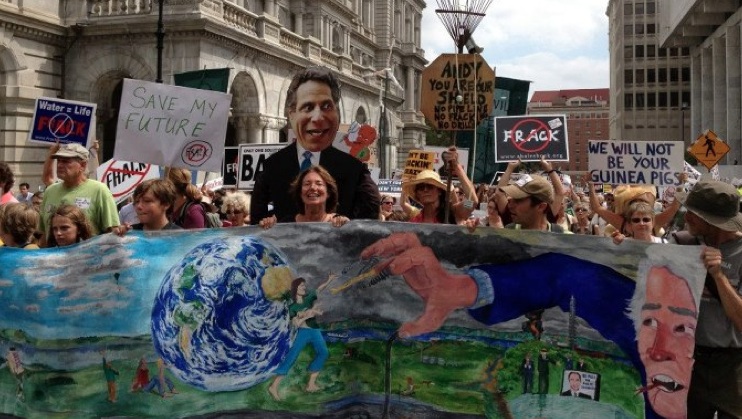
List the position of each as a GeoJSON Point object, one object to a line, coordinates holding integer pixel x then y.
{"type": "Point", "coordinates": [709, 149]}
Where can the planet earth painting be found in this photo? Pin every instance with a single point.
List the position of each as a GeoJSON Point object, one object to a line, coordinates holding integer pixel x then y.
{"type": "Point", "coordinates": [219, 320]}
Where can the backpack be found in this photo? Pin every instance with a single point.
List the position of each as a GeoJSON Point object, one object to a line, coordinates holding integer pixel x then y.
{"type": "Point", "coordinates": [211, 220]}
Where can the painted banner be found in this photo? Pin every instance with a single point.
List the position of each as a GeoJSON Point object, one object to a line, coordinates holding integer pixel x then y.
{"type": "Point", "coordinates": [529, 138]}
{"type": "Point", "coordinates": [216, 321]}
{"type": "Point", "coordinates": [656, 163]}
{"type": "Point", "coordinates": [251, 159]}
{"type": "Point", "coordinates": [63, 121]}
{"type": "Point", "coordinates": [122, 177]}
{"type": "Point", "coordinates": [172, 126]}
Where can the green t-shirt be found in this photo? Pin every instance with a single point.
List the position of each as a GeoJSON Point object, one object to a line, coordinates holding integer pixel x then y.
{"type": "Point", "coordinates": [307, 303]}
{"type": "Point", "coordinates": [91, 196]}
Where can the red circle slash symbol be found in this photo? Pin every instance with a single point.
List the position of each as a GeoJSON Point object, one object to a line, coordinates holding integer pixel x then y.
{"type": "Point", "coordinates": [61, 125]}
{"type": "Point", "coordinates": [532, 127]}
{"type": "Point", "coordinates": [196, 153]}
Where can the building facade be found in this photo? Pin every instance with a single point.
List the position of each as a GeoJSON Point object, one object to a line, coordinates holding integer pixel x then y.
{"type": "Point", "coordinates": [83, 49]}
{"type": "Point", "coordinates": [710, 29]}
{"type": "Point", "coordinates": [650, 82]}
{"type": "Point", "coordinates": [587, 113]}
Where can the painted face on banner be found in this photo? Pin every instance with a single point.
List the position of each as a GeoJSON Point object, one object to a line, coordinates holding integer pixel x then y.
{"type": "Point", "coordinates": [666, 340]}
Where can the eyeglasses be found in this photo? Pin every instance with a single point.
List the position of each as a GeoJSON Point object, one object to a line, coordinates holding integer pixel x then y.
{"type": "Point", "coordinates": [423, 186]}
{"type": "Point", "coordinates": [387, 203]}
{"type": "Point", "coordinates": [637, 220]}
{"type": "Point", "coordinates": [581, 210]}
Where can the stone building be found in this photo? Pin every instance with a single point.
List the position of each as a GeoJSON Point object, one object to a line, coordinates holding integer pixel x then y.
{"type": "Point", "coordinates": [83, 49]}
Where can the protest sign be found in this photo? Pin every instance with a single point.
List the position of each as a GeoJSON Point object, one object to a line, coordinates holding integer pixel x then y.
{"type": "Point", "coordinates": [635, 162]}
{"type": "Point", "coordinates": [172, 126]}
{"type": "Point", "coordinates": [251, 162]}
{"type": "Point", "coordinates": [457, 91]}
{"type": "Point", "coordinates": [122, 177]}
{"type": "Point", "coordinates": [390, 186]}
{"type": "Point", "coordinates": [438, 161]}
{"type": "Point", "coordinates": [417, 161]}
{"type": "Point", "coordinates": [64, 121]}
{"type": "Point", "coordinates": [230, 166]}
{"type": "Point", "coordinates": [529, 138]}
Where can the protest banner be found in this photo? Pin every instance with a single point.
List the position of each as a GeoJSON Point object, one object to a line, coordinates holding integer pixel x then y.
{"type": "Point", "coordinates": [655, 163]}
{"type": "Point", "coordinates": [457, 91]}
{"type": "Point", "coordinates": [251, 162]}
{"type": "Point", "coordinates": [172, 126]}
{"type": "Point", "coordinates": [63, 121]}
{"type": "Point", "coordinates": [391, 187]}
{"type": "Point", "coordinates": [529, 138]}
{"type": "Point", "coordinates": [189, 318]}
{"type": "Point", "coordinates": [230, 166]}
{"type": "Point", "coordinates": [122, 177]}
{"type": "Point", "coordinates": [417, 161]}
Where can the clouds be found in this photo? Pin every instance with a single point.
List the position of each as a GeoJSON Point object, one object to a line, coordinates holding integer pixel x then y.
{"type": "Point", "coordinates": [556, 45]}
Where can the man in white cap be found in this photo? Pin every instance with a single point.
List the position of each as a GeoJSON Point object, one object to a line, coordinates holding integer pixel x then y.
{"type": "Point", "coordinates": [713, 218]}
{"type": "Point", "coordinates": [528, 201]}
{"type": "Point", "coordinates": [75, 188]}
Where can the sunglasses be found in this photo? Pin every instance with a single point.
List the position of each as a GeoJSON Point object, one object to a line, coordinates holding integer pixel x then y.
{"type": "Point", "coordinates": [637, 220]}
{"type": "Point", "coordinates": [387, 203]}
{"type": "Point", "coordinates": [423, 186]}
{"type": "Point", "coordinates": [580, 210]}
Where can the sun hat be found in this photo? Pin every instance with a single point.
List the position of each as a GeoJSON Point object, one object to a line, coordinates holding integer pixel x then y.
{"type": "Point", "coordinates": [537, 186]}
{"type": "Point", "coordinates": [72, 150]}
{"type": "Point", "coordinates": [430, 177]}
{"type": "Point", "coordinates": [717, 203]}
{"type": "Point", "coordinates": [624, 195]}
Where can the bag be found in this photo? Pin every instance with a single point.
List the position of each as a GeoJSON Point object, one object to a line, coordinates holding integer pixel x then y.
{"type": "Point", "coordinates": [211, 220]}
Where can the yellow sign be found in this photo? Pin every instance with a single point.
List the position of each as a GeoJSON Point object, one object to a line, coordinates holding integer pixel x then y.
{"type": "Point", "coordinates": [457, 92]}
{"type": "Point", "coordinates": [417, 161]}
{"type": "Point", "coordinates": [709, 149]}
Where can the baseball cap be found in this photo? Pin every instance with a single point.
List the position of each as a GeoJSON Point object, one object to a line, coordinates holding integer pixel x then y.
{"type": "Point", "coordinates": [72, 150]}
{"type": "Point", "coordinates": [537, 186]}
{"type": "Point", "coordinates": [717, 203]}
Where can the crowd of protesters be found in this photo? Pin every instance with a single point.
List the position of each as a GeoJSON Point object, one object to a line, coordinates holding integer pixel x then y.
{"type": "Point", "coordinates": [310, 181]}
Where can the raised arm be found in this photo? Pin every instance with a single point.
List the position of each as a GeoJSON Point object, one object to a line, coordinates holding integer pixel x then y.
{"type": "Point", "coordinates": [47, 175]}
{"type": "Point", "coordinates": [556, 182]}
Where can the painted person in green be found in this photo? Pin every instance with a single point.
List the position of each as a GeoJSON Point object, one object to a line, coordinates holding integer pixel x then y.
{"type": "Point", "coordinates": [302, 311]}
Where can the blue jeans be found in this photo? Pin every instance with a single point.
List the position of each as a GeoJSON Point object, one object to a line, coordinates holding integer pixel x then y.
{"type": "Point", "coordinates": [304, 337]}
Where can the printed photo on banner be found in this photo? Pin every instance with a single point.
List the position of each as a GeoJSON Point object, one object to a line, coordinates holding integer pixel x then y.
{"type": "Point", "coordinates": [656, 163]}
{"type": "Point", "coordinates": [172, 126]}
{"type": "Point", "coordinates": [529, 138]}
{"type": "Point", "coordinates": [63, 121]}
{"type": "Point", "coordinates": [251, 161]}
{"type": "Point", "coordinates": [581, 384]}
{"type": "Point", "coordinates": [122, 177]}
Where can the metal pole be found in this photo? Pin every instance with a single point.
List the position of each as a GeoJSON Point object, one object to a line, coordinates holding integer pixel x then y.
{"type": "Point", "coordinates": [160, 41]}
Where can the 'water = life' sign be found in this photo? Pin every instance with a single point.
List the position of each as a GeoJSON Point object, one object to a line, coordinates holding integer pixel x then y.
{"type": "Point", "coordinates": [64, 121]}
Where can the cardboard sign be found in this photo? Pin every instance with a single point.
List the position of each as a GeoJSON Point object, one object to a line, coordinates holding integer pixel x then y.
{"type": "Point", "coordinates": [529, 138]}
{"type": "Point", "coordinates": [709, 149]}
{"type": "Point", "coordinates": [172, 126]}
{"type": "Point", "coordinates": [438, 162]}
{"type": "Point", "coordinates": [417, 161]}
{"type": "Point", "coordinates": [251, 161]}
{"type": "Point", "coordinates": [635, 162]}
{"type": "Point", "coordinates": [64, 121]}
{"type": "Point", "coordinates": [122, 177]}
{"type": "Point", "coordinates": [457, 91]}
{"type": "Point", "coordinates": [230, 166]}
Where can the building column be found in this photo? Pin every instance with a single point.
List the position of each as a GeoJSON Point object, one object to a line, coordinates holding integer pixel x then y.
{"type": "Point", "coordinates": [719, 122]}
{"type": "Point", "coordinates": [707, 89]}
{"type": "Point", "coordinates": [409, 102]}
{"type": "Point", "coordinates": [696, 87]}
{"type": "Point", "coordinates": [734, 92]}
{"type": "Point", "coordinates": [270, 7]}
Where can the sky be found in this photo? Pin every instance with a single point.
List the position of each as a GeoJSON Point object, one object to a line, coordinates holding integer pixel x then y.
{"type": "Point", "coordinates": [555, 44]}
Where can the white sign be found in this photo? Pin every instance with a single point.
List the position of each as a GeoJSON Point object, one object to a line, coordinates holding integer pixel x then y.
{"type": "Point", "coordinates": [172, 126]}
{"type": "Point", "coordinates": [636, 162]}
{"type": "Point", "coordinates": [438, 162]}
{"type": "Point", "coordinates": [122, 177]}
{"type": "Point", "coordinates": [251, 161]}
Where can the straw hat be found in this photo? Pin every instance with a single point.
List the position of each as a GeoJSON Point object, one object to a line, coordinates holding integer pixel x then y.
{"type": "Point", "coordinates": [623, 195]}
{"type": "Point", "coordinates": [426, 176]}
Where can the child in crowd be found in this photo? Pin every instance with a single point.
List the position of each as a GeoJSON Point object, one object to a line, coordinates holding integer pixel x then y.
{"type": "Point", "coordinates": [153, 201]}
{"type": "Point", "coordinates": [18, 222]}
{"type": "Point", "coordinates": [69, 226]}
